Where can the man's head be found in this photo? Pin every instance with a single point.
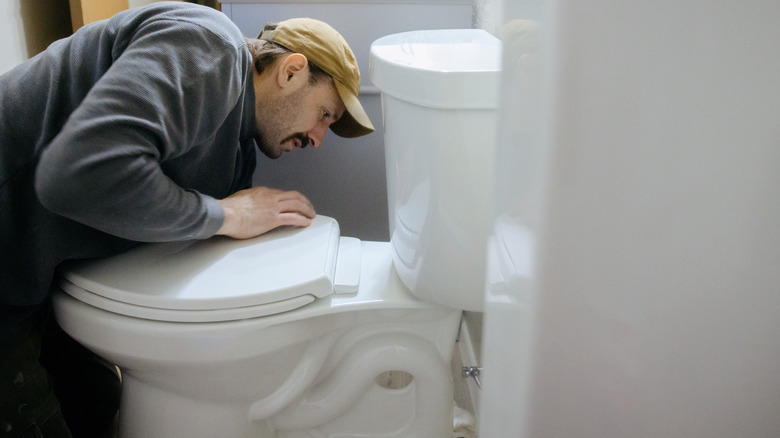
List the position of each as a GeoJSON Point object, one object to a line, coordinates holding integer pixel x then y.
{"type": "Point", "coordinates": [306, 80]}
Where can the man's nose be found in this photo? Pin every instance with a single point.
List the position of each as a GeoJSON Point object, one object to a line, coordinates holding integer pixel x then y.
{"type": "Point", "coordinates": [317, 135]}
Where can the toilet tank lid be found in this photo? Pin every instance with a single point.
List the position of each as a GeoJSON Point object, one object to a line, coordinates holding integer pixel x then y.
{"type": "Point", "coordinates": [218, 273]}
{"type": "Point", "coordinates": [445, 68]}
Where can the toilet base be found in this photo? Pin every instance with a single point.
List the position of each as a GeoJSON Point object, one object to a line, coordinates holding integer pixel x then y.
{"type": "Point", "coordinates": [147, 411]}
{"type": "Point", "coordinates": [349, 401]}
{"type": "Point", "coordinates": [310, 373]}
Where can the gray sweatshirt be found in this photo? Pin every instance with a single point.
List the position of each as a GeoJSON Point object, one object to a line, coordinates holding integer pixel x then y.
{"type": "Point", "coordinates": [128, 131]}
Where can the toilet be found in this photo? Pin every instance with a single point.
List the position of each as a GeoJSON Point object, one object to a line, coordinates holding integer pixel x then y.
{"type": "Point", "coordinates": [302, 332]}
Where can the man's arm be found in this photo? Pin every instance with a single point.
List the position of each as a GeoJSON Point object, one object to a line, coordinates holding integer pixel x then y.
{"type": "Point", "coordinates": [159, 99]}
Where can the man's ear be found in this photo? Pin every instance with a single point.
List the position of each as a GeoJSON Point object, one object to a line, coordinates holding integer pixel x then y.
{"type": "Point", "coordinates": [293, 71]}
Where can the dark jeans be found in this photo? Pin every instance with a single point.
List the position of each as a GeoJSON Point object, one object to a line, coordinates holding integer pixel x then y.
{"type": "Point", "coordinates": [52, 387]}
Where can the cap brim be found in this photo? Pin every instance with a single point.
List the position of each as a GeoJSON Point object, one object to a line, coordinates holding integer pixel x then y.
{"type": "Point", "coordinates": [354, 122]}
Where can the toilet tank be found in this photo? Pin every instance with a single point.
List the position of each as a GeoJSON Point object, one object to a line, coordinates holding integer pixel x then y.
{"type": "Point", "coordinates": [439, 92]}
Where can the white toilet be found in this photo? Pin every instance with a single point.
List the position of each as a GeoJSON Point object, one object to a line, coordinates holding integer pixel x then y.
{"type": "Point", "coordinates": [301, 332]}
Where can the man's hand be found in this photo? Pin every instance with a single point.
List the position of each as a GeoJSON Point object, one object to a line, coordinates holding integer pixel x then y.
{"type": "Point", "coordinates": [254, 211]}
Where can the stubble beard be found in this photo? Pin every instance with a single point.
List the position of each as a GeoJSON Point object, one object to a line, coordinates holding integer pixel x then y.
{"type": "Point", "coordinates": [276, 122]}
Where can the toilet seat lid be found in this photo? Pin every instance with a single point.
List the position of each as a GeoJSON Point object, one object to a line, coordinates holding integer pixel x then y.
{"type": "Point", "coordinates": [215, 279]}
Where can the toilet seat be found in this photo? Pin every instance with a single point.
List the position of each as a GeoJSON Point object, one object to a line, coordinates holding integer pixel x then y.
{"type": "Point", "coordinates": [220, 279]}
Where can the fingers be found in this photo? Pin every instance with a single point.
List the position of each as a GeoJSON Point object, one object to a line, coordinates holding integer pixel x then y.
{"type": "Point", "coordinates": [294, 219]}
{"type": "Point", "coordinates": [255, 211]}
{"type": "Point", "coordinates": [302, 207]}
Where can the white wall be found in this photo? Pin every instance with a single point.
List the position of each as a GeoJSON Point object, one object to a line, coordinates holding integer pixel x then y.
{"type": "Point", "coordinates": [487, 15]}
{"type": "Point", "coordinates": [638, 289]}
{"type": "Point", "coordinates": [13, 50]}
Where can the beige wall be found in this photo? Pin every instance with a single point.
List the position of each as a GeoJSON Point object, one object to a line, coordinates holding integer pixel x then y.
{"type": "Point", "coordinates": [86, 11]}
{"type": "Point", "coordinates": [29, 26]}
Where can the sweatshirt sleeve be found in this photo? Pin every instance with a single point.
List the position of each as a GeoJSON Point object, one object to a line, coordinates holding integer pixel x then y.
{"type": "Point", "coordinates": [168, 91]}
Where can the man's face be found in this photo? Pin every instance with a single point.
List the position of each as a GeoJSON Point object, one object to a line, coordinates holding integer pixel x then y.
{"type": "Point", "coordinates": [298, 119]}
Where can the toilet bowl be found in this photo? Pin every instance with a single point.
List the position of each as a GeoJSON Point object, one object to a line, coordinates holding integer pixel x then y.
{"type": "Point", "coordinates": [303, 332]}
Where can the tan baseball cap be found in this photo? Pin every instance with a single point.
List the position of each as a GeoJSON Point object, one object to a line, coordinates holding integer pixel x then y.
{"type": "Point", "coordinates": [326, 48]}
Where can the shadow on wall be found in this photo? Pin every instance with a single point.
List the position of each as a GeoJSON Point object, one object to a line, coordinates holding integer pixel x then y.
{"type": "Point", "coordinates": [45, 21]}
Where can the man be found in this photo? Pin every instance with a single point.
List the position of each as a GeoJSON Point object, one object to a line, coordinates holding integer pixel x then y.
{"type": "Point", "coordinates": [142, 128]}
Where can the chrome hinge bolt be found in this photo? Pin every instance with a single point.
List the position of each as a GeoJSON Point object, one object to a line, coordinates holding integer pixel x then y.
{"type": "Point", "coordinates": [474, 372]}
